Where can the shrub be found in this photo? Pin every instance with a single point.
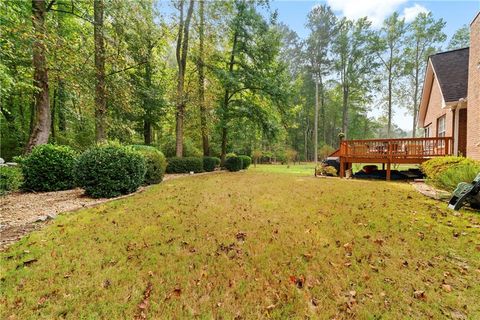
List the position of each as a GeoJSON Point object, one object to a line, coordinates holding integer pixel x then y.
{"type": "Point", "coordinates": [449, 178]}
{"type": "Point", "coordinates": [10, 179]}
{"type": "Point", "coordinates": [234, 163]}
{"type": "Point", "coordinates": [110, 170]}
{"type": "Point", "coordinates": [184, 165]}
{"type": "Point", "coordinates": [246, 161]}
{"type": "Point", "coordinates": [447, 172]}
{"type": "Point", "coordinates": [210, 163]}
{"type": "Point", "coordinates": [434, 166]}
{"type": "Point", "coordinates": [155, 161]}
{"type": "Point", "coordinates": [49, 168]}
{"type": "Point", "coordinates": [230, 154]}
{"type": "Point", "coordinates": [325, 170]}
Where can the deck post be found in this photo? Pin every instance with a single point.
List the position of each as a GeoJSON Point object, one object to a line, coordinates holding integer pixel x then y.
{"type": "Point", "coordinates": [342, 167]}
{"type": "Point", "coordinates": [388, 171]}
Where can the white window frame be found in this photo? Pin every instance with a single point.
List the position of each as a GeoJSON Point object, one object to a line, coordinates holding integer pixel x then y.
{"type": "Point", "coordinates": [442, 126]}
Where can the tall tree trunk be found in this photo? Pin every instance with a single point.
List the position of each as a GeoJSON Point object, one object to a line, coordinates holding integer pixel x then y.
{"type": "Point", "coordinates": [62, 122]}
{"type": "Point", "coordinates": [390, 80]}
{"type": "Point", "coordinates": [181, 54]}
{"type": "Point", "coordinates": [53, 110]}
{"type": "Point", "coordinates": [201, 82]}
{"type": "Point", "coordinates": [147, 120]}
{"type": "Point", "coordinates": [41, 128]}
{"type": "Point", "coordinates": [224, 116]}
{"type": "Point", "coordinates": [345, 110]}
{"type": "Point", "coordinates": [100, 93]}
{"type": "Point", "coordinates": [415, 94]}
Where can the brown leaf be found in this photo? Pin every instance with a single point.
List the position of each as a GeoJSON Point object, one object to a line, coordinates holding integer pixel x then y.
{"type": "Point", "coordinates": [419, 294]}
{"type": "Point", "coordinates": [379, 241]}
{"type": "Point", "coordinates": [106, 283]}
{"type": "Point", "coordinates": [447, 288]}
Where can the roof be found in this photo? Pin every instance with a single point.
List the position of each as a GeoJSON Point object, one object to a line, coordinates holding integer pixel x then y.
{"type": "Point", "coordinates": [451, 70]}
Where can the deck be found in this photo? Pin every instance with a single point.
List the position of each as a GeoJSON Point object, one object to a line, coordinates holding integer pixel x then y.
{"type": "Point", "coordinates": [392, 151]}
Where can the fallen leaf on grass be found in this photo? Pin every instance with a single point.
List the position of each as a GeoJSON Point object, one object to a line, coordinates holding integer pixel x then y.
{"type": "Point", "coordinates": [447, 288]}
{"type": "Point", "coordinates": [419, 294]}
{"type": "Point", "coordinates": [143, 305]}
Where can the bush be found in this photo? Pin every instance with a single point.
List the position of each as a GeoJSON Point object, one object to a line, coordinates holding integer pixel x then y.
{"type": "Point", "coordinates": [155, 161]}
{"type": "Point", "coordinates": [447, 172]}
{"type": "Point", "coordinates": [246, 161]}
{"type": "Point", "coordinates": [434, 166]}
{"type": "Point", "coordinates": [10, 179]}
{"type": "Point", "coordinates": [234, 163]}
{"type": "Point", "coordinates": [325, 170]}
{"type": "Point", "coordinates": [449, 178]}
{"type": "Point", "coordinates": [184, 165]}
{"type": "Point", "coordinates": [49, 168]}
{"type": "Point", "coordinates": [210, 163]}
{"type": "Point", "coordinates": [110, 170]}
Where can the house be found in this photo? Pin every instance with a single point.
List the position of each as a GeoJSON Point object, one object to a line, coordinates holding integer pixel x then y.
{"type": "Point", "coordinates": [450, 103]}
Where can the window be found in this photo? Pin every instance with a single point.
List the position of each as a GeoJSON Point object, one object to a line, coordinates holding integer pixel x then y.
{"type": "Point", "coordinates": [441, 126]}
{"type": "Point", "coordinates": [427, 131]}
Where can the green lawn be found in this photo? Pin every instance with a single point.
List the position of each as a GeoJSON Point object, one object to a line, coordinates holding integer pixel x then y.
{"type": "Point", "coordinates": [250, 245]}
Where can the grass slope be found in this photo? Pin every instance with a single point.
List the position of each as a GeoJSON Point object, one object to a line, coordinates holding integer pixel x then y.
{"type": "Point", "coordinates": [250, 245]}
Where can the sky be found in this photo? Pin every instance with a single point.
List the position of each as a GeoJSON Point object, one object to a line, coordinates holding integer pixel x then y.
{"type": "Point", "coordinates": [455, 13]}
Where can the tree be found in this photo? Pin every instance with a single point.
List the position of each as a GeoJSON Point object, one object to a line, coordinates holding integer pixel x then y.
{"type": "Point", "coordinates": [460, 39]}
{"type": "Point", "coordinates": [41, 129]}
{"type": "Point", "coordinates": [424, 34]}
{"type": "Point", "coordinates": [322, 24]}
{"type": "Point", "coordinates": [389, 44]}
{"type": "Point", "coordinates": [201, 79]}
{"type": "Point", "coordinates": [254, 82]}
{"type": "Point", "coordinates": [181, 55]}
{"type": "Point", "coordinates": [354, 62]}
{"type": "Point", "coordinates": [100, 92]}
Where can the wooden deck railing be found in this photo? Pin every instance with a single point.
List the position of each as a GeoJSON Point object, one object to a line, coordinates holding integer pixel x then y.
{"type": "Point", "coordinates": [393, 149]}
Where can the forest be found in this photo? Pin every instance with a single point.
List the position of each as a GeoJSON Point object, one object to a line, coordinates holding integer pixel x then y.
{"type": "Point", "coordinates": [195, 77]}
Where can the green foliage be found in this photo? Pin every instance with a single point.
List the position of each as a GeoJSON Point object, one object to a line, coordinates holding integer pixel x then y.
{"type": "Point", "coordinates": [184, 165]}
{"type": "Point", "coordinates": [189, 150]}
{"type": "Point", "coordinates": [325, 151]}
{"type": "Point", "coordinates": [324, 170]}
{"type": "Point", "coordinates": [49, 168]}
{"type": "Point", "coordinates": [110, 170]}
{"type": "Point", "coordinates": [230, 154]}
{"type": "Point", "coordinates": [234, 163]}
{"type": "Point", "coordinates": [246, 161]}
{"type": "Point", "coordinates": [447, 172]}
{"type": "Point", "coordinates": [210, 163]}
{"type": "Point", "coordinates": [155, 161]}
{"type": "Point", "coordinates": [451, 177]}
{"type": "Point", "coordinates": [10, 179]}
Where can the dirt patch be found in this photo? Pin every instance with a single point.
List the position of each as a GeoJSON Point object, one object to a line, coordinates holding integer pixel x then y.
{"type": "Point", "coordinates": [21, 213]}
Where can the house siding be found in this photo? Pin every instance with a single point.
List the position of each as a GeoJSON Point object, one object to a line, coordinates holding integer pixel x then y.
{"type": "Point", "coordinates": [435, 111]}
{"type": "Point", "coordinates": [473, 108]}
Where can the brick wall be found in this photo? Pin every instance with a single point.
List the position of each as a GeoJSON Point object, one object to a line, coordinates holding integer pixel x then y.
{"type": "Point", "coordinates": [473, 109]}
{"type": "Point", "coordinates": [435, 111]}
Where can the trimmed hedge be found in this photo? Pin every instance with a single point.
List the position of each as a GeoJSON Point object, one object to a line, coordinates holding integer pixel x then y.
{"type": "Point", "coordinates": [10, 179]}
{"type": "Point", "coordinates": [234, 163]}
{"type": "Point", "coordinates": [49, 168]}
{"type": "Point", "coordinates": [447, 172]}
{"type": "Point", "coordinates": [184, 165]}
{"type": "Point", "coordinates": [210, 163]}
{"type": "Point", "coordinates": [155, 161]}
{"type": "Point", "coordinates": [246, 161]}
{"type": "Point", "coordinates": [110, 170]}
